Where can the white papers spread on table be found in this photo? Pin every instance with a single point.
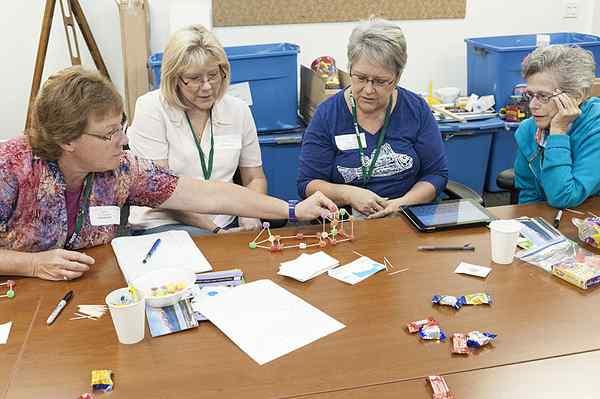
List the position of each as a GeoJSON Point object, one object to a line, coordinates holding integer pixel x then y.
{"type": "Point", "coordinates": [176, 249]}
{"type": "Point", "coordinates": [5, 332]}
{"type": "Point", "coordinates": [265, 320]}
{"type": "Point", "coordinates": [357, 270]}
{"type": "Point", "coordinates": [307, 266]}
{"type": "Point", "coordinates": [472, 270]}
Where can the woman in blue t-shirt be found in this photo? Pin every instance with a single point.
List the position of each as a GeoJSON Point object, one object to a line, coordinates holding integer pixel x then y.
{"type": "Point", "coordinates": [374, 146]}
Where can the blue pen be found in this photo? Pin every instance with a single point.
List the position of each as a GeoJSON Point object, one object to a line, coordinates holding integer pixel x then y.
{"type": "Point", "coordinates": [149, 254]}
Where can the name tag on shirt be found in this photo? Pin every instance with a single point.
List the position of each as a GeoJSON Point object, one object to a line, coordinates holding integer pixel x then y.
{"type": "Point", "coordinates": [228, 142]}
{"type": "Point", "coordinates": [105, 215]}
{"type": "Point", "coordinates": [347, 142]}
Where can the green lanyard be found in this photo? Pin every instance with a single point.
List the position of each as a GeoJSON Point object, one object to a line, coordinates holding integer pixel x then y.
{"type": "Point", "coordinates": [206, 171]}
{"type": "Point", "coordinates": [368, 173]}
{"type": "Point", "coordinates": [87, 190]}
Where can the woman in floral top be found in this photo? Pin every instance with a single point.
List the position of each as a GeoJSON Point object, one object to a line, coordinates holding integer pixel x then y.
{"type": "Point", "coordinates": [63, 184]}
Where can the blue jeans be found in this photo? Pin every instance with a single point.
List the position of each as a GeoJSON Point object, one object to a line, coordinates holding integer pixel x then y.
{"type": "Point", "coordinates": [193, 230]}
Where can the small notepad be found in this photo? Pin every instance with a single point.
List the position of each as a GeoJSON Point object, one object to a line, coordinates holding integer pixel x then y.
{"type": "Point", "coordinates": [308, 266]}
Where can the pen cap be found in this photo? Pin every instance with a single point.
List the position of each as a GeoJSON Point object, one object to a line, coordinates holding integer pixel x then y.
{"type": "Point", "coordinates": [128, 315]}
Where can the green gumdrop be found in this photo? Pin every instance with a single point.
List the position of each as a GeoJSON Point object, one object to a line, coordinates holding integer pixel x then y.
{"type": "Point", "coordinates": [10, 294]}
{"type": "Point", "coordinates": [343, 211]}
{"type": "Point", "coordinates": [252, 245]}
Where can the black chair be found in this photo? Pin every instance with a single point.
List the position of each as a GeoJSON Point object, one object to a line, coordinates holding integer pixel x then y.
{"type": "Point", "coordinates": [506, 181]}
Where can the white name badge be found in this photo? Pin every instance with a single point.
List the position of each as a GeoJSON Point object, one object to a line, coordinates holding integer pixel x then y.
{"type": "Point", "coordinates": [105, 215]}
{"type": "Point", "coordinates": [228, 142]}
{"type": "Point", "coordinates": [348, 141]}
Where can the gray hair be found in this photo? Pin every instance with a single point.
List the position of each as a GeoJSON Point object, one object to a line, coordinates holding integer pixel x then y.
{"type": "Point", "coordinates": [573, 68]}
{"type": "Point", "coordinates": [381, 41]}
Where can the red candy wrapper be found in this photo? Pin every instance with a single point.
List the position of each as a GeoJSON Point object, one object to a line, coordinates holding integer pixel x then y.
{"type": "Point", "coordinates": [415, 326]}
{"type": "Point", "coordinates": [439, 387]}
{"type": "Point", "coordinates": [459, 344]}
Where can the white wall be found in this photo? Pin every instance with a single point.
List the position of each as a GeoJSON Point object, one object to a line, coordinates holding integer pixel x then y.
{"type": "Point", "coordinates": [436, 47]}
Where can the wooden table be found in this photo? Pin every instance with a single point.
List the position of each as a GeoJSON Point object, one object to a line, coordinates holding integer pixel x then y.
{"type": "Point", "coordinates": [535, 315]}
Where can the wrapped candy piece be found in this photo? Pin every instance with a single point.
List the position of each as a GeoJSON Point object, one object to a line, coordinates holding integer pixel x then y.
{"type": "Point", "coordinates": [439, 387]}
{"type": "Point", "coordinates": [588, 230]}
{"type": "Point", "coordinates": [455, 302]}
{"type": "Point", "coordinates": [434, 332]}
{"type": "Point", "coordinates": [479, 298]}
{"type": "Point", "coordinates": [477, 339]}
{"type": "Point", "coordinates": [101, 380]}
{"type": "Point", "coordinates": [415, 326]}
{"type": "Point", "coordinates": [459, 344]}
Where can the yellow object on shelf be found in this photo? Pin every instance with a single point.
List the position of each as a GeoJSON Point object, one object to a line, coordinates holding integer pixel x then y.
{"type": "Point", "coordinates": [430, 99]}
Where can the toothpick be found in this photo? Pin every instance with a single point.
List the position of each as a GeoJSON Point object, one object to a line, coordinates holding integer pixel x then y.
{"type": "Point", "coordinates": [387, 260]}
{"type": "Point", "coordinates": [592, 214]}
{"type": "Point", "coordinates": [356, 253]}
{"type": "Point", "coordinates": [399, 271]}
{"type": "Point", "coordinates": [574, 211]}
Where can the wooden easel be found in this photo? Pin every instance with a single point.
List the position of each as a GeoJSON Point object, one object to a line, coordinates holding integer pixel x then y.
{"type": "Point", "coordinates": [69, 8]}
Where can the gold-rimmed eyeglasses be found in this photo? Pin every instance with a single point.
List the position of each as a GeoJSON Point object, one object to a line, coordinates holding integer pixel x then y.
{"type": "Point", "coordinates": [108, 136]}
{"type": "Point", "coordinates": [212, 78]}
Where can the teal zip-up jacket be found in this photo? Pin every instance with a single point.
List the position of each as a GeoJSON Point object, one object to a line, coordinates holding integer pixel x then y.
{"type": "Point", "coordinates": [567, 172]}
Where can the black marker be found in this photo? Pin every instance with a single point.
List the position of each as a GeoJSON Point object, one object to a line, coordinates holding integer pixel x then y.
{"type": "Point", "coordinates": [557, 218]}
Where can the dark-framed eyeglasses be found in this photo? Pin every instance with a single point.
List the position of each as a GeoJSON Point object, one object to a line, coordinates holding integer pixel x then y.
{"type": "Point", "coordinates": [108, 136]}
{"type": "Point", "coordinates": [543, 98]}
{"type": "Point", "coordinates": [378, 83]}
{"type": "Point", "coordinates": [212, 78]}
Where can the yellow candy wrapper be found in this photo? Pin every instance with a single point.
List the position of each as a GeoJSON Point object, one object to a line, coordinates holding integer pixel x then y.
{"type": "Point", "coordinates": [101, 380]}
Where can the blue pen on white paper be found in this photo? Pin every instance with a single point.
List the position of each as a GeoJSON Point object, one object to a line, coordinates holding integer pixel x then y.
{"type": "Point", "coordinates": [152, 250]}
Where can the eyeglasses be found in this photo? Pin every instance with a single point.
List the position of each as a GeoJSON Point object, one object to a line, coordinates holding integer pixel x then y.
{"type": "Point", "coordinates": [378, 83]}
{"type": "Point", "coordinates": [541, 97]}
{"type": "Point", "coordinates": [109, 136]}
{"type": "Point", "coordinates": [212, 78]}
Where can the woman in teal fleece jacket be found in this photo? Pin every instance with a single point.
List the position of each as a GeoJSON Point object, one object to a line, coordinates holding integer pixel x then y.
{"type": "Point", "coordinates": [558, 156]}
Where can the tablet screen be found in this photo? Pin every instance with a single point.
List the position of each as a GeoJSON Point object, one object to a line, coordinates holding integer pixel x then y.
{"type": "Point", "coordinates": [449, 213]}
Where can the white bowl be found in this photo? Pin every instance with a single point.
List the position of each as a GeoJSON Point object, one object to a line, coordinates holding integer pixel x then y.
{"type": "Point", "coordinates": [448, 95]}
{"type": "Point", "coordinates": [164, 277]}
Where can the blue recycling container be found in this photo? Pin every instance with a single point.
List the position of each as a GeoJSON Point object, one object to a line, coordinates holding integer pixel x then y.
{"type": "Point", "coordinates": [468, 149]}
{"type": "Point", "coordinates": [280, 154]}
{"type": "Point", "coordinates": [494, 63]}
{"type": "Point", "coordinates": [270, 72]}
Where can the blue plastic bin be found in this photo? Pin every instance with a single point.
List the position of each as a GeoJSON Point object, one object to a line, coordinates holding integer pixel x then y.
{"type": "Point", "coordinates": [494, 63]}
{"type": "Point", "coordinates": [271, 71]}
{"type": "Point", "coordinates": [502, 155]}
{"type": "Point", "coordinates": [280, 153]}
{"type": "Point", "coordinates": [468, 150]}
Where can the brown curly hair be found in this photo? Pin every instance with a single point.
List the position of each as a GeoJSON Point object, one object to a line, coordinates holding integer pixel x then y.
{"type": "Point", "coordinates": [64, 105]}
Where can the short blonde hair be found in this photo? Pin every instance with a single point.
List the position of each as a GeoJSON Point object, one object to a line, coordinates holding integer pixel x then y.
{"type": "Point", "coordinates": [192, 45]}
{"type": "Point", "coordinates": [64, 106]}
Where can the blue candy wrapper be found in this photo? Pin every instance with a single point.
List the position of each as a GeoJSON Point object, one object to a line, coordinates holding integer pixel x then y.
{"type": "Point", "coordinates": [455, 302]}
{"type": "Point", "coordinates": [477, 339]}
{"type": "Point", "coordinates": [432, 333]}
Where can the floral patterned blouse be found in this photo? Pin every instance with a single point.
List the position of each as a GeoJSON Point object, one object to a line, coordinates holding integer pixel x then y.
{"type": "Point", "coordinates": [33, 213]}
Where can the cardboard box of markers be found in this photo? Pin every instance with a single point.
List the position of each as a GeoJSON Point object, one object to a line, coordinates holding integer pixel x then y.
{"type": "Point", "coordinates": [313, 91]}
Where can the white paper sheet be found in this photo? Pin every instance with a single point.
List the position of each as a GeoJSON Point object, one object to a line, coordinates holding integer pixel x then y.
{"type": "Point", "coordinates": [472, 270]}
{"type": "Point", "coordinates": [265, 320]}
{"type": "Point", "coordinates": [357, 270]}
{"type": "Point", "coordinates": [5, 332]}
{"type": "Point", "coordinates": [308, 266]}
{"type": "Point", "coordinates": [176, 249]}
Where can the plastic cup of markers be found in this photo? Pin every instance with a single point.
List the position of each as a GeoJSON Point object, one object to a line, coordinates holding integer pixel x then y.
{"type": "Point", "coordinates": [503, 236]}
{"type": "Point", "coordinates": [128, 316]}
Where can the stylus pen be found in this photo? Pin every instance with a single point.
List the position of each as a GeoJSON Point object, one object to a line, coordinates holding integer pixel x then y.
{"type": "Point", "coordinates": [466, 247]}
{"type": "Point", "coordinates": [557, 218]}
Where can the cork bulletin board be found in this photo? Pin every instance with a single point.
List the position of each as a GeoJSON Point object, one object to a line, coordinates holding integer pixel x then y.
{"type": "Point", "coordinates": [274, 12]}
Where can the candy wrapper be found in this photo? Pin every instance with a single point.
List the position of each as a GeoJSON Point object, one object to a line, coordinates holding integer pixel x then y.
{"type": "Point", "coordinates": [447, 300]}
{"type": "Point", "coordinates": [415, 326]}
{"type": "Point", "coordinates": [479, 298]}
{"type": "Point", "coordinates": [588, 230]}
{"type": "Point", "coordinates": [459, 344]}
{"type": "Point", "coordinates": [326, 69]}
{"type": "Point", "coordinates": [476, 339]}
{"type": "Point", "coordinates": [439, 387]}
{"type": "Point", "coordinates": [101, 380]}
{"type": "Point", "coordinates": [432, 333]}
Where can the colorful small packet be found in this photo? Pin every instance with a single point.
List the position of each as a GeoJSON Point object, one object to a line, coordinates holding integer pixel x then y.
{"type": "Point", "coordinates": [434, 332]}
{"type": "Point", "coordinates": [479, 298]}
{"type": "Point", "coordinates": [415, 326]}
{"type": "Point", "coordinates": [588, 230]}
{"type": "Point", "coordinates": [439, 387]}
{"type": "Point", "coordinates": [477, 339]}
{"type": "Point", "coordinates": [101, 380]}
{"type": "Point", "coordinates": [447, 300]}
{"type": "Point", "coordinates": [459, 344]}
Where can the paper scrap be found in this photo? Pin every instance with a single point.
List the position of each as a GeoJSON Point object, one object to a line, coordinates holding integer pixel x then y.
{"type": "Point", "coordinates": [308, 266]}
{"type": "Point", "coordinates": [472, 270]}
{"type": "Point", "coordinates": [357, 270]}
{"type": "Point", "coordinates": [5, 332]}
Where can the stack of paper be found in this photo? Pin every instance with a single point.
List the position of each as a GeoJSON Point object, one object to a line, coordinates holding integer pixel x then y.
{"type": "Point", "coordinates": [307, 266]}
{"type": "Point", "coordinates": [357, 270]}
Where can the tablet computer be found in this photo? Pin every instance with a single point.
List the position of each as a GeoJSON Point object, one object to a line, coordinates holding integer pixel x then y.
{"type": "Point", "coordinates": [447, 215]}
